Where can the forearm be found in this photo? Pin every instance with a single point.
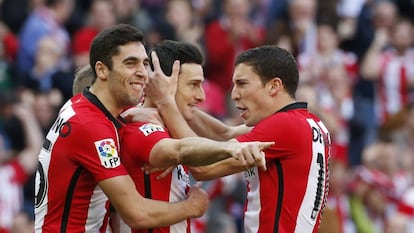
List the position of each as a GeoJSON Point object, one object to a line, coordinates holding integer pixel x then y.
{"type": "Point", "coordinates": [174, 120]}
{"type": "Point", "coordinates": [197, 151]}
{"type": "Point", "coordinates": [159, 214]}
{"type": "Point", "coordinates": [370, 68]}
{"type": "Point", "coordinates": [32, 134]}
{"type": "Point", "coordinates": [207, 126]}
{"type": "Point", "coordinates": [33, 143]}
{"type": "Point", "coordinates": [217, 170]}
{"type": "Point", "coordinates": [139, 212]}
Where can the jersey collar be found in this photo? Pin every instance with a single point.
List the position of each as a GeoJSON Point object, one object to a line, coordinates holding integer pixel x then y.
{"type": "Point", "coordinates": [94, 100]}
{"type": "Point", "coordinates": [293, 106]}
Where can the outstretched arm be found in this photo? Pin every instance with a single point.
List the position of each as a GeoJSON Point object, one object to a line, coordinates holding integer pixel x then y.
{"type": "Point", "coordinates": [227, 167]}
{"type": "Point", "coordinates": [197, 151]}
{"type": "Point", "coordinates": [139, 212]}
{"type": "Point", "coordinates": [205, 125]}
{"type": "Point", "coordinates": [32, 135]}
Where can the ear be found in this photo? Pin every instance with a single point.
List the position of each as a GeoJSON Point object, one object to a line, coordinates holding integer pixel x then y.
{"type": "Point", "coordinates": [274, 86]}
{"type": "Point", "coordinates": [101, 70]}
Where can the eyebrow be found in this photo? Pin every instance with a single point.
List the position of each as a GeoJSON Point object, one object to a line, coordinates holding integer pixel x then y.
{"type": "Point", "coordinates": [135, 59]}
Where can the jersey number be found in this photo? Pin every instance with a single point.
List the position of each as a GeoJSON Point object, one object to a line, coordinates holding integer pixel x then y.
{"type": "Point", "coordinates": [42, 187]}
{"type": "Point", "coordinates": [319, 144]}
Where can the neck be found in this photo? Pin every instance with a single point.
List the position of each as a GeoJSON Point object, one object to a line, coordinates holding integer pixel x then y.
{"type": "Point", "coordinates": [148, 103]}
{"type": "Point", "coordinates": [284, 101]}
{"type": "Point", "coordinates": [106, 99]}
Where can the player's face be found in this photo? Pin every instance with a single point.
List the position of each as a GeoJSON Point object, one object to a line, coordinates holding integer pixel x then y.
{"type": "Point", "coordinates": [129, 74]}
{"type": "Point", "coordinates": [189, 88]}
{"type": "Point", "coordinates": [250, 95]}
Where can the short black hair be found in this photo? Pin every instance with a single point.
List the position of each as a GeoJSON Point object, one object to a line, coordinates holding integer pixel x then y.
{"type": "Point", "coordinates": [168, 51]}
{"type": "Point", "coordinates": [106, 44]}
{"type": "Point", "coordinates": [269, 62]}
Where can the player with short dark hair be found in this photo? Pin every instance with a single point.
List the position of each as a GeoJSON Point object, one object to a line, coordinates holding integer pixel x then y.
{"type": "Point", "coordinates": [79, 170]}
{"type": "Point", "coordinates": [291, 194]}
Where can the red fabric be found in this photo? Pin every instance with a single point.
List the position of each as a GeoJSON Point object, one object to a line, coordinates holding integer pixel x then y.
{"type": "Point", "coordinates": [174, 187]}
{"type": "Point", "coordinates": [340, 153]}
{"type": "Point", "coordinates": [221, 53]}
{"type": "Point", "coordinates": [20, 173]}
{"type": "Point", "coordinates": [404, 84]}
{"type": "Point", "coordinates": [82, 40]}
{"type": "Point", "coordinates": [406, 209]}
{"type": "Point", "coordinates": [282, 189]}
{"type": "Point", "coordinates": [72, 172]}
{"type": "Point", "coordinates": [11, 45]}
{"type": "Point", "coordinates": [215, 100]}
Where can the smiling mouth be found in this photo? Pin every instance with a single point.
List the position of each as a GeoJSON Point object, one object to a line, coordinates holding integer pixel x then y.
{"type": "Point", "coordinates": [137, 86]}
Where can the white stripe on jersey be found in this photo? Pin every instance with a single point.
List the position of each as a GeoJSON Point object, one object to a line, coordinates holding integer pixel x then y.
{"type": "Point", "coordinates": [252, 213]}
{"type": "Point", "coordinates": [307, 215]}
{"type": "Point", "coordinates": [97, 212]}
{"type": "Point", "coordinates": [392, 83]}
{"type": "Point", "coordinates": [179, 183]}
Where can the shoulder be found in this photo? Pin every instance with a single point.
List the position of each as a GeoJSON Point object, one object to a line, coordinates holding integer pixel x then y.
{"type": "Point", "coordinates": [142, 128]}
{"type": "Point", "coordinates": [85, 119]}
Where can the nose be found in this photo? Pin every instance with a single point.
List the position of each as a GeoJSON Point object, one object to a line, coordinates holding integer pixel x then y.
{"type": "Point", "coordinates": [142, 73]}
{"type": "Point", "coordinates": [234, 93]}
{"type": "Point", "coordinates": [200, 95]}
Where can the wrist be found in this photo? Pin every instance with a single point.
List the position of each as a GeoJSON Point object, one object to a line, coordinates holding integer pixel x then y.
{"type": "Point", "coordinates": [189, 209]}
{"type": "Point", "coordinates": [161, 103]}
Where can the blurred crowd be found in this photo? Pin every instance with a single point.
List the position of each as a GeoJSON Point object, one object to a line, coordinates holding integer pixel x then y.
{"type": "Point", "coordinates": [356, 61]}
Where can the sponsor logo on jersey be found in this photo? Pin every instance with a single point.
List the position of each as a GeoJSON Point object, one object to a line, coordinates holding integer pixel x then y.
{"type": "Point", "coordinates": [107, 153]}
{"type": "Point", "coordinates": [149, 128]}
{"type": "Point", "coordinates": [182, 175]}
{"type": "Point", "coordinates": [250, 172]}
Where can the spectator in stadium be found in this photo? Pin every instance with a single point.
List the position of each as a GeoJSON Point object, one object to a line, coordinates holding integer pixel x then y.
{"type": "Point", "coordinates": [101, 15]}
{"type": "Point", "coordinates": [16, 165]}
{"type": "Point", "coordinates": [390, 61]}
{"type": "Point", "coordinates": [45, 20]}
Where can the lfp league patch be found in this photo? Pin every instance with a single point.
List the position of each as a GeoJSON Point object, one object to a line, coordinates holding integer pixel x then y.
{"type": "Point", "coordinates": [107, 153]}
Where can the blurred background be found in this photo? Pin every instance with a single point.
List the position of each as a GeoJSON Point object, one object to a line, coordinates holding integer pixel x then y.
{"type": "Point", "coordinates": [356, 62]}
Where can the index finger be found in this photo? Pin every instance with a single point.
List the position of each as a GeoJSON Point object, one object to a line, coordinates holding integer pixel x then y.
{"type": "Point", "coordinates": [155, 61]}
{"type": "Point", "coordinates": [265, 145]}
{"type": "Point", "coordinates": [175, 69]}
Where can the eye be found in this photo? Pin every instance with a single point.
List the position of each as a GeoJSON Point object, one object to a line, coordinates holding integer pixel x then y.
{"type": "Point", "coordinates": [196, 84]}
{"type": "Point", "coordinates": [130, 64]}
{"type": "Point", "coordinates": [241, 83]}
{"type": "Point", "coordinates": [146, 63]}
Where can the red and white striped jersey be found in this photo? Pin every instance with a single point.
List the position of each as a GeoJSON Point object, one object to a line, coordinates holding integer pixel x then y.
{"type": "Point", "coordinates": [395, 83]}
{"type": "Point", "coordinates": [12, 179]}
{"type": "Point", "coordinates": [290, 196]}
{"type": "Point", "coordinates": [172, 188]}
{"type": "Point", "coordinates": [80, 150]}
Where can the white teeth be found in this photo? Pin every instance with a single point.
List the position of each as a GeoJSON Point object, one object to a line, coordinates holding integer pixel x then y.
{"type": "Point", "coordinates": [136, 86]}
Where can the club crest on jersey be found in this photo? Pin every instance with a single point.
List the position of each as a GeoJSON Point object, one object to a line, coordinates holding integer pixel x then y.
{"type": "Point", "coordinates": [107, 153]}
{"type": "Point", "coordinates": [149, 128]}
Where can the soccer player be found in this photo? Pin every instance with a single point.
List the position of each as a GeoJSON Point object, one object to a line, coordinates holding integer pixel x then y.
{"type": "Point", "coordinates": [157, 140]}
{"type": "Point", "coordinates": [157, 148]}
{"type": "Point", "coordinates": [290, 195]}
{"type": "Point", "coordinates": [79, 169]}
